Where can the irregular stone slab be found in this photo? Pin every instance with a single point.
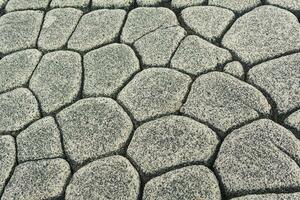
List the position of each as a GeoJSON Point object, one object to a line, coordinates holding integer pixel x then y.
{"type": "Point", "coordinates": [14, 5]}
{"type": "Point", "coordinates": [150, 2]}
{"type": "Point", "coordinates": [19, 30]}
{"type": "Point", "coordinates": [7, 158]}
{"type": "Point", "coordinates": [69, 3]}
{"type": "Point", "coordinates": [292, 5]}
{"type": "Point", "coordinates": [237, 6]}
{"type": "Point", "coordinates": [41, 140]}
{"type": "Point", "coordinates": [261, 156]}
{"type": "Point", "coordinates": [108, 68]}
{"type": "Point", "coordinates": [280, 79]}
{"type": "Point", "coordinates": [156, 48]}
{"type": "Point", "coordinates": [293, 120]}
{"type": "Point", "coordinates": [17, 109]}
{"type": "Point", "coordinates": [291, 196]}
{"type": "Point", "coordinates": [193, 182]}
{"type": "Point", "coordinates": [35, 180]}
{"type": "Point", "coordinates": [195, 56]}
{"type": "Point", "coordinates": [57, 79]}
{"type": "Point", "coordinates": [57, 28]}
{"type": "Point", "coordinates": [235, 68]}
{"type": "Point", "coordinates": [171, 141]}
{"type": "Point", "coordinates": [108, 178]}
{"type": "Point", "coordinates": [142, 21]}
{"type": "Point", "coordinates": [263, 33]}
{"type": "Point", "coordinates": [209, 22]}
{"type": "Point", "coordinates": [94, 29]}
{"type": "Point", "coordinates": [179, 4]}
{"type": "Point", "coordinates": [16, 68]}
{"type": "Point", "coordinates": [92, 128]}
{"type": "Point", "coordinates": [154, 92]}
{"type": "Point", "coordinates": [125, 4]}
{"type": "Point", "coordinates": [224, 101]}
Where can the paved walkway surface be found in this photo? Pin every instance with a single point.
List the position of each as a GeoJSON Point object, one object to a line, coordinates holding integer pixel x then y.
{"type": "Point", "coordinates": [149, 99]}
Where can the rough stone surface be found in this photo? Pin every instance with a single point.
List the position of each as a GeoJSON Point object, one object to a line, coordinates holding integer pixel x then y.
{"type": "Point", "coordinates": [209, 22]}
{"type": "Point", "coordinates": [156, 48]}
{"type": "Point", "coordinates": [154, 92]}
{"type": "Point", "coordinates": [125, 4]}
{"type": "Point", "coordinates": [179, 4]}
{"type": "Point", "coordinates": [263, 33]}
{"type": "Point", "coordinates": [280, 78]}
{"type": "Point", "coordinates": [92, 128]}
{"type": "Point", "coordinates": [291, 196]}
{"type": "Point", "coordinates": [224, 101]}
{"type": "Point", "coordinates": [35, 180]}
{"type": "Point", "coordinates": [193, 182]}
{"type": "Point", "coordinates": [150, 2]}
{"type": "Point", "coordinates": [171, 141]}
{"type": "Point", "coordinates": [3, 3]}
{"type": "Point", "coordinates": [261, 156]}
{"type": "Point", "coordinates": [14, 5]}
{"type": "Point", "coordinates": [195, 56]}
{"type": "Point", "coordinates": [108, 178]}
{"type": "Point", "coordinates": [39, 141]}
{"type": "Point", "coordinates": [237, 6]}
{"type": "Point", "coordinates": [107, 69]}
{"type": "Point", "coordinates": [235, 68]}
{"type": "Point", "coordinates": [17, 109]}
{"type": "Point", "coordinates": [57, 79]}
{"type": "Point", "coordinates": [94, 29]}
{"type": "Point", "coordinates": [293, 120]}
{"type": "Point", "coordinates": [292, 5]}
{"type": "Point", "coordinates": [19, 30]}
{"type": "Point", "coordinates": [142, 21]}
{"type": "Point", "coordinates": [16, 68]}
{"type": "Point", "coordinates": [57, 28]}
{"type": "Point", "coordinates": [69, 3]}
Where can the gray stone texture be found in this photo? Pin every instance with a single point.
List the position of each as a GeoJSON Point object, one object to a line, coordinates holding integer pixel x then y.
{"type": "Point", "coordinates": [36, 180]}
{"type": "Point", "coordinates": [179, 4]}
{"type": "Point", "coordinates": [289, 196]}
{"type": "Point", "coordinates": [3, 3]}
{"type": "Point", "coordinates": [57, 79]}
{"type": "Point", "coordinates": [57, 28]}
{"type": "Point", "coordinates": [19, 30]}
{"type": "Point", "coordinates": [14, 5]}
{"type": "Point", "coordinates": [70, 3]}
{"type": "Point", "coordinates": [263, 33]}
{"type": "Point", "coordinates": [41, 140]}
{"type": "Point", "coordinates": [235, 68]}
{"type": "Point", "coordinates": [94, 29]}
{"type": "Point", "coordinates": [108, 178]}
{"type": "Point", "coordinates": [292, 5]}
{"type": "Point", "coordinates": [192, 182]}
{"type": "Point", "coordinates": [239, 6]}
{"type": "Point", "coordinates": [108, 68]}
{"type": "Point", "coordinates": [154, 92]}
{"type": "Point", "coordinates": [125, 4]}
{"type": "Point", "coordinates": [259, 157]}
{"type": "Point", "coordinates": [195, 56]}
{"type": "Point", "coordinates": [150, 2]}
{"type": "Point", "coordinates": [293, 120]}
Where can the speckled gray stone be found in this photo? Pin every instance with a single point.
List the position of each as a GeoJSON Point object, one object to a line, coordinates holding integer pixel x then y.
{"type": "Point", "coordinates": [39, 141]}
{"type": "Point", "coordinates": [7, 159]}
{"type": "Point", "coordinates": [156, 48]}
{"type": "Point", "coordinates": [14, 5]}
{"type": "Point", "coordinates": [16, 68]}
{"type": "Point", "coordinates": [179, 4]}
{"type": "Point", "coordinates": [57, 28]}
{"type": "Point", "coordinates": [280, 79]}
{"type": "Point", "coordinates": [235, 68]}
{"type": "Point", "coordinates": [239, 6]}
{"type": "Point", "coordinates": [17, 109]}
{"type": "Point", "coordinates": [57, 79]}
{"type": "Point", "coordinates": [141, 21]}
{"type": "Point", "coordinates": [263, 33]}
{"type": "Point", "coordinates": [36, 180]}
{"type": "Point", "coordinates": [171, 141]}
{"type": "Point", "coordinates": [293, 120]}
{"type": "Point", "coordinates": [125, 4]}
{"type": "Point", "coordinates": [209, 22]}
{"type": "Point", "coordinates": [192, 182]}
{"type": "Point", "coordinates": [108, 68]}
{"type": "Point", "coordinates": [92, 128]}
{"type": "Point", "coordinates": [94, 29]}
{"type": "Point", "coordinates": [3, 3]}
{"type": "Point", "coordinates": [288, 196]}
{"type": "Point", "coordinates": [70, 3]}
{"type": "Point", "coordinates": [19, 30]}
{"type": "Point", "coordinates": [196, 56]}
{"type": "Point", "coordinates": [292, 5]}
{"type": "Point", "coordinates": [150, 2]}
{"type": "Point", "coordinates": [259, 157]}
{"type": "Point", "coordinates": [224, 101]}
{"type": "Point", "coordinates": [154, 92]}
{"type": "Point", "coordinates": [108, 178]}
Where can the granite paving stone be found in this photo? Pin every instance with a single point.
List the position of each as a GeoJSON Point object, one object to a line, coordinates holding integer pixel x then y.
{"type": "Point", "coordinates": [292, 5]}
{"type": "Point", "coordinates": [179, 4]}
{"type": "Point", "coordinates": [291, 196]}
{"type": "Point", "coordinates": [150, 2]}
{"type": "Point", "coordinates": [69, 3]}
{"type": "Point", "coordinates": [125, 4]}
{"type": "Point", "coordinates": [237, 6]}
{"type": "Point", "coordinates": [235, 68]}
{"type": "Point", "coordinates": [14, 5]}
{"type": "Point", "coordinates": [293, 120]}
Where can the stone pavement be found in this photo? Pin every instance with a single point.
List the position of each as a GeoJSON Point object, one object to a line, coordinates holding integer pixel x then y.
{"type": "Point", "coordinates": [149, 99]}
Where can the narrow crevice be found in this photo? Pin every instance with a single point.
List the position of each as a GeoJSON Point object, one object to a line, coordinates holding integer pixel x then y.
{"type": "Point", "coordinates": [41, 112]}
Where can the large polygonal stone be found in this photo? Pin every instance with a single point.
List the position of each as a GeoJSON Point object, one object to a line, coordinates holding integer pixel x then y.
{"type": "Point", "coordinates": [292, 5]}
{"type": "Point", "coordinates": [94, 29]}
{"type": "Point", "coordinates": [178, 4]}
{"type": "Point", "coordinates": [193, 182]}
{"type": "Point", "coordinates": [57, 79]}
{"type": "Point", "coordinates": [125, 4]}
{"type": "Point", "coordinates": [16, 68]}
{"type": "Point", "coordinates": [224, 101]}
{"type": "Point", "coordinates": [259, 157]}
{"type": "Point", "coordinates": [171, 141]}
{"type": "Point", "coordinates": [263, 33]}
{"type": "Point", "coordinates": [289, 196]}
{"type": "Point", "coordinates": [195, 56]}
{"type": "Point", "coordinates": [19, 30]}
{"type": "Point", "coordinates": [293, 120]}
{"type": "Point", "coordinates": [280, 78]}
{"type": "Point", "coordinates": [70, 3]}
{"type": "Point", "coordinates": [154, 92]}
{"type": "Point", "coordinates": [14, 5]}
{"type": "Point", "coordinates": [239, 6]}
{"type": "Point", "coordinates": [235, 68]}
{"type": "Point", "coordinates": [108, 178]}
{"type": "Point", "coordinates": [92, 128]}
{"type": "Point", "coordinates": [36, 180]}
{"type": "Point", "coordinates": [108, 68]}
